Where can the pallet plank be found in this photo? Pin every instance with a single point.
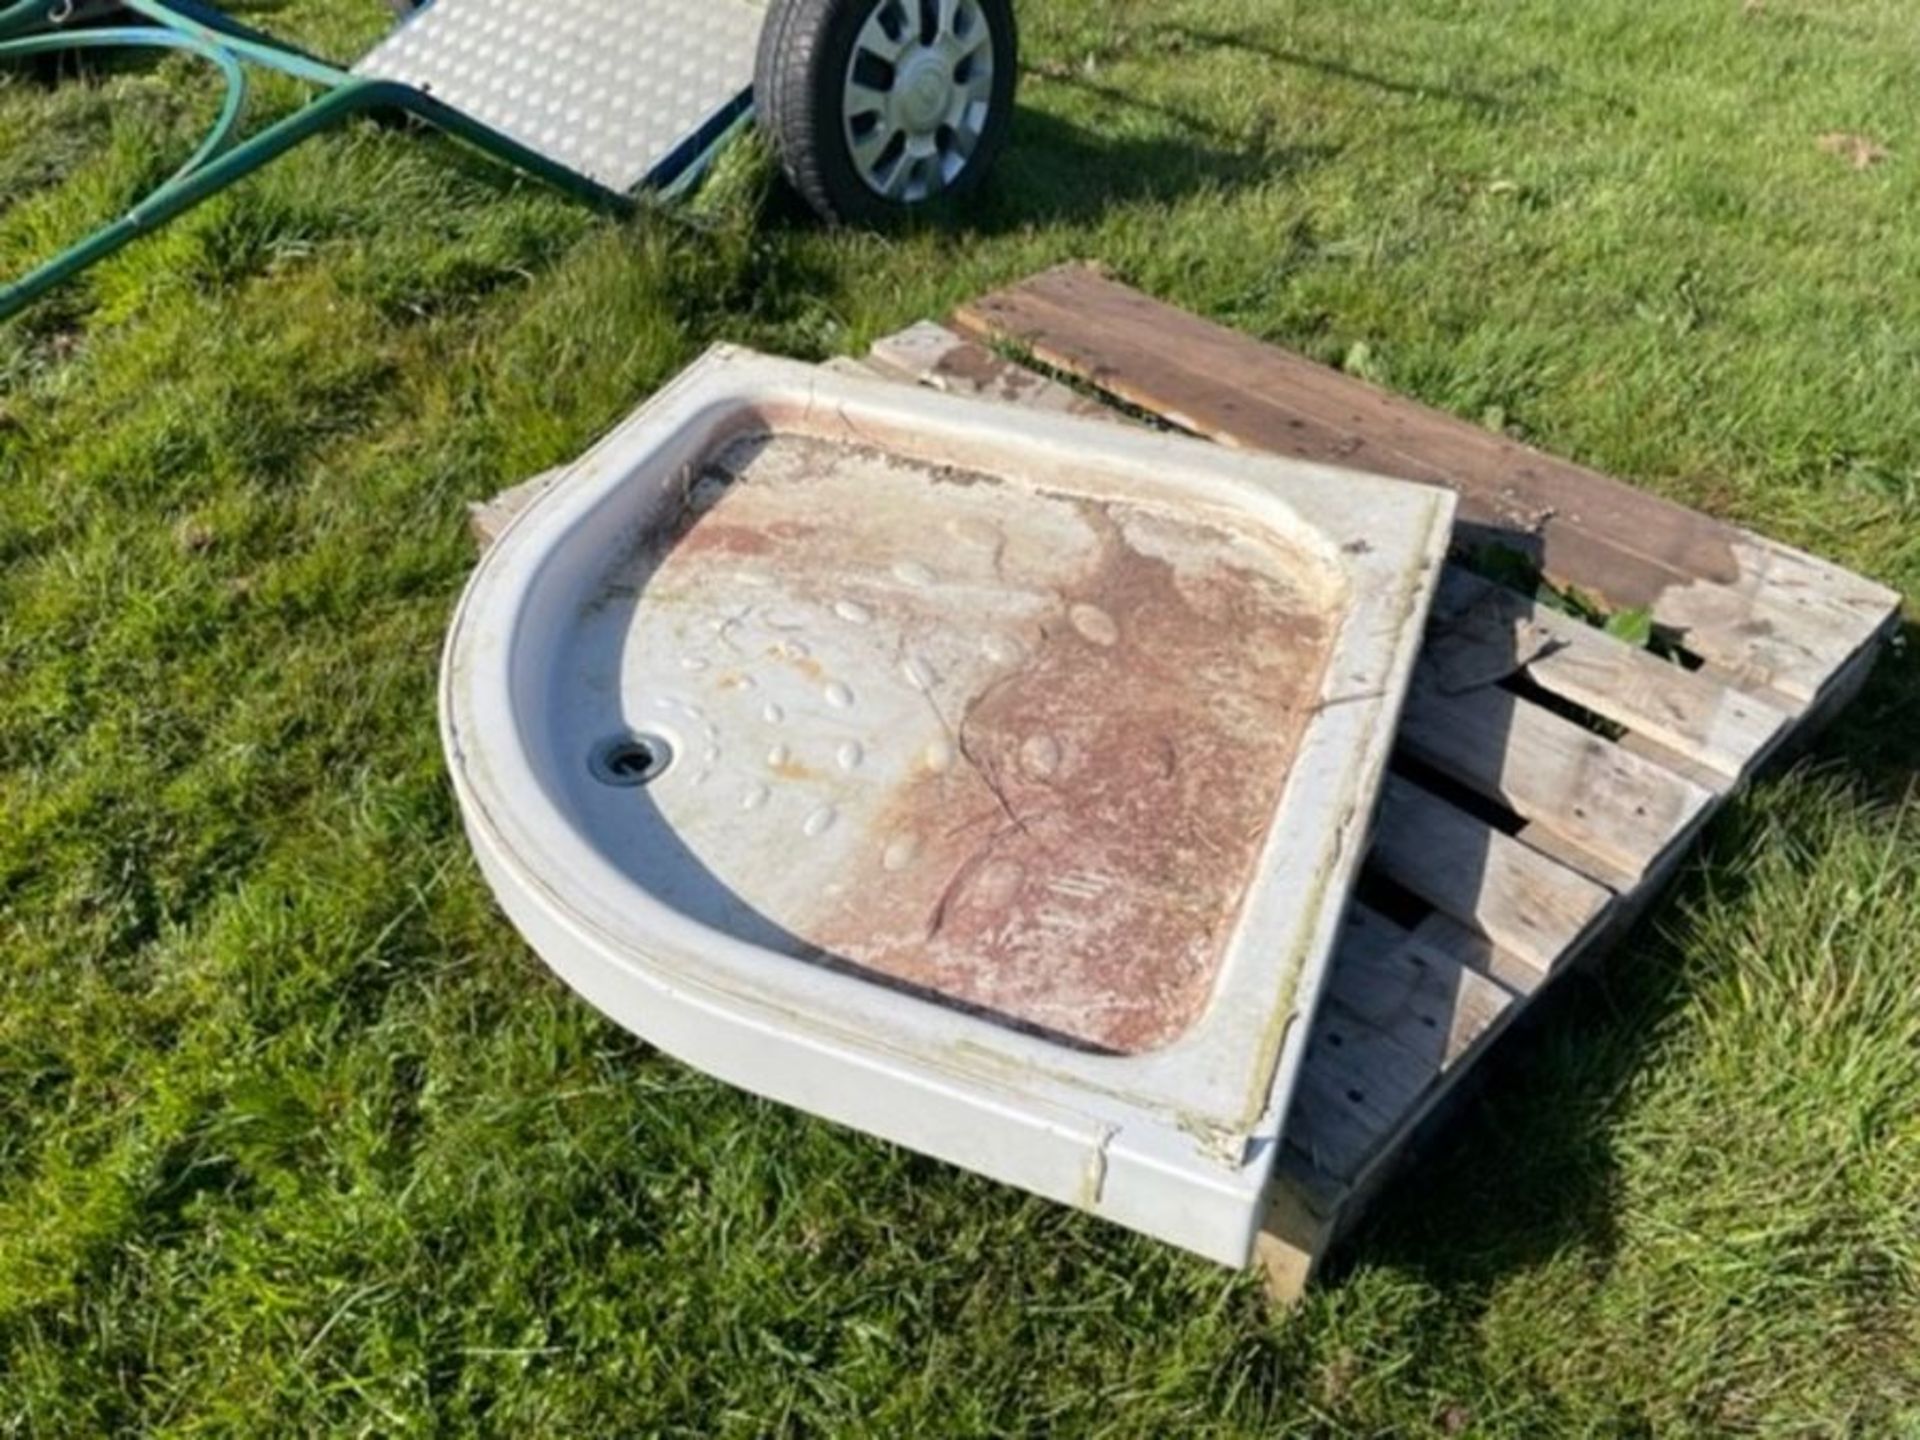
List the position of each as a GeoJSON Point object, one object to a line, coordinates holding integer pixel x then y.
{"type": "Point", "coordinates": [935, 357]}
{"type": "Point", "coordinates": [1417, 993]}
{"type": "Point", "coordinates": [1513, 481]}
{"type": "Point", "coordinates": [487, 518]}
{"type": "Point", "coordinates": [1531, 906]}
{"type": "Point", "coordinates": [1401, 1012]}
{"type": "Point", "coordinates": [1354, 1086]}
{"type": "Point", "coordinates": [1766, 613]}
{"type": "Point", "coordinates": [1601, 799]}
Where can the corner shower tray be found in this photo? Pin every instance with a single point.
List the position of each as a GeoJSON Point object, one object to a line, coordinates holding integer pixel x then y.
{"type": "Point", "coordinates": [989, 780]}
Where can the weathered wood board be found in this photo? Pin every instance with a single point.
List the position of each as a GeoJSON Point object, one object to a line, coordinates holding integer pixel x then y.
{"type": "Point", "coordinates": [1770, 616]}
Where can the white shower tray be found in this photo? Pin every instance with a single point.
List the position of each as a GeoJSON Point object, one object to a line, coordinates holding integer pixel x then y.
{"type": "Point", "coordinates": [986, 779]}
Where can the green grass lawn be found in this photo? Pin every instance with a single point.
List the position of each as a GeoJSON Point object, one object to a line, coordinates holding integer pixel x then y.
{"type": "Point", "coordinates": [295, 1134]}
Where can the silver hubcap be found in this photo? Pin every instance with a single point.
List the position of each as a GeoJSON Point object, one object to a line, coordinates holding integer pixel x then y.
{"type": "Point", "coordinates": [919, 86]}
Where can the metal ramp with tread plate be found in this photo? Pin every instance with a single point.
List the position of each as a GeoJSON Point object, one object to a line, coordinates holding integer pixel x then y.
{"type": "Point", "coordinates": [628, 96]}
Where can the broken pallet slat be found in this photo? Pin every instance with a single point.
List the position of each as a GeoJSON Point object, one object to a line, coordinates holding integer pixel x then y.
{"type": "Point", "coordinates": [1507, 478]}
{"type": "Point", "coordinates": [1482, 632]}
{"type": "Point", "coordinates": [1763, 612]}
{"type": "Point", "coordinates": [934, 356]}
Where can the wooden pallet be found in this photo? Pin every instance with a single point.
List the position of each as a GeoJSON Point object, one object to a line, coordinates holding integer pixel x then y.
{"type": "Point", "coordinates": [1549, 777]}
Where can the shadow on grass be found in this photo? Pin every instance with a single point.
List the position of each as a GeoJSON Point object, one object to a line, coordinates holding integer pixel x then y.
{"type": "Point", "coordinates": [1196, 37]}
{"type": "Point", "coordinates": [1875, 737]}
{"type": "Point", "coordinates": [1056, 172]}
{"type": "Point", "coordinates": [1519, 1166]}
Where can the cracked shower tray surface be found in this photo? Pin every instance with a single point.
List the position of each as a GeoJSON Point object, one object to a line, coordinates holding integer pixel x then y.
{"type": "Point", "coordinates": [988, 780]}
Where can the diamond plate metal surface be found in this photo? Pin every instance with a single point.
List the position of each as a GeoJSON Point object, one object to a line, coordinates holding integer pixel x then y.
{"type": "Point", "coordinates": [607, 88]}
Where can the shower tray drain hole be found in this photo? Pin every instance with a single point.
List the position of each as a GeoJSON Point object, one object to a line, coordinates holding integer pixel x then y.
{"type": "Point", "coordinates": [632, 759]}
